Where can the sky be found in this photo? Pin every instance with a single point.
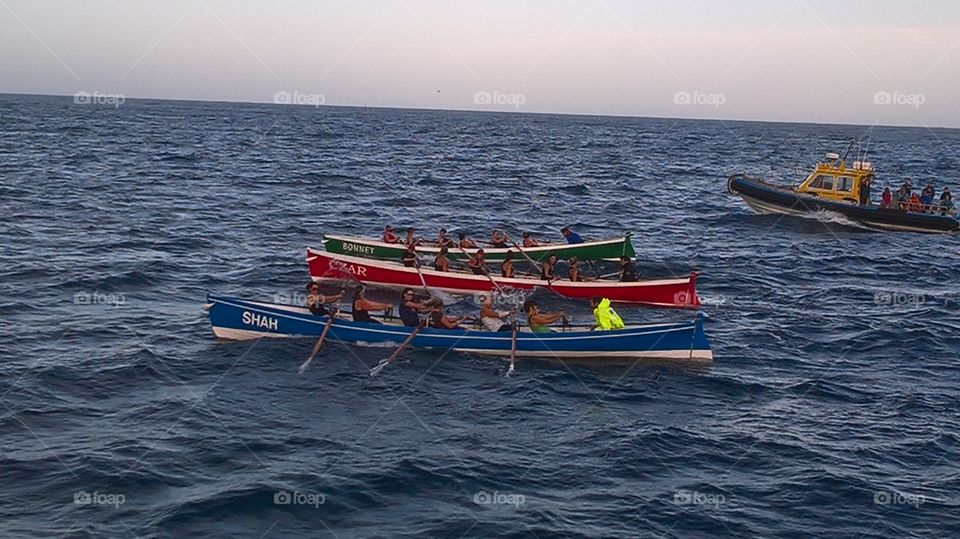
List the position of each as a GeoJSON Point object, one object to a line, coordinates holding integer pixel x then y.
{"type": "Point", "coordinates": [879, 62]}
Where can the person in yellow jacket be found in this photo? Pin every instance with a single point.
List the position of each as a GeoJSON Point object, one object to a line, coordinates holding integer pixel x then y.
{"type": "Point", "coordinates": [607, 318]}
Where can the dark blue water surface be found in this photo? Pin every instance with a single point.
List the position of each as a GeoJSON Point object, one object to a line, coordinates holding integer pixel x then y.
{"type": "Point", "coordinates": [832, 408]}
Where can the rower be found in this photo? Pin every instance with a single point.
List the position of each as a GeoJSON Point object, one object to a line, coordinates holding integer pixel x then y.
{"type": "Point", "coordinates": [546, 271]}
{"type": "Point", "coordinates": [442, 321]}
{"type": "Point", "coordinates": [409, 308]}
{"type": "Point", "coordinates": [628, 273]}
{"type": "Point", "coordinates": [491, 318]}
{"type": "Point", "coordinates": [362, 306]}
{"type": "Point", "coordinates": [477, 264]}
{"type": "Point", "coordinates": [530, 241]}
{"type": "Point", "coordinates": [540, 322]}
{"type": "Point", "coordinates": [466, 243]}
{"type": "Point", "coordinates": [499, 240]}
{"type": "Point", "coordinates": [574, 271]}
{"type": "Point", "coordinates": [316, 300]}
{"type": "Point", "coordinates": [506, 267]}
{"type": "Point", "coordinates": [409, 257]}
{"type": "Point", "coordinates": [389, 236]}
{"type": "Point", "coordinates": [410, 239]}
{"type": "Point", "coordinates": [443, 240]}
{"type": "Point", "coordinates": [604, 314]}
{"type": "Point", "coordinates": [440, 263]}
{"type": "Point", "coordinates": [572, 237]}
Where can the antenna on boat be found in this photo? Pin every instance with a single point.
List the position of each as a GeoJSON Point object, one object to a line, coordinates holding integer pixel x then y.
{"type": "Point", "coordinates": [849, 147]}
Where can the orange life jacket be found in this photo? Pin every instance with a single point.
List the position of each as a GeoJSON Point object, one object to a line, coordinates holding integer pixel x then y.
{"type": "Point", "coordinates": [915, 204]}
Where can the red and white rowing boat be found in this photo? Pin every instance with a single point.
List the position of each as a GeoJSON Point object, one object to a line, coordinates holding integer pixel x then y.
{"type": "Point", "coordinates": [324, 266]}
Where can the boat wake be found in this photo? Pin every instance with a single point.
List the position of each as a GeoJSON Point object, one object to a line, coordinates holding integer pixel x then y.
{"type": "Point", "coordinates": [828, 217]}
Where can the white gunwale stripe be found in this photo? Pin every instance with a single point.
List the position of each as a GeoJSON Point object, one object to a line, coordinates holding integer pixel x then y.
{"type": "Point", "coordinates": [313, 254]}
{"type": "Point", "coordinates": [632, 331]}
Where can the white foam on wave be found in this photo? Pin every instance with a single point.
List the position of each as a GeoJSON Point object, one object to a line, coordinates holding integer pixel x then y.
{"type": "Point", "coordinates": [828, 217]}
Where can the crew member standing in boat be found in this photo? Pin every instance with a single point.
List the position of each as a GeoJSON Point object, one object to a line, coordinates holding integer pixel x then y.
{"type": "Point", "coordinates": [389, 236]}
{"type": "Point", "coordinates": [540, 322]}
{"type": "Point", "coordinates": [946, 201]}
{"type": "Point", "coordinates": [316, 300]}
{"type": "Point", "coordinates": [865, 191]}
{"type": "Point", "coordinates": [926, 198]}
{"type": "Point", "coordinates": [409, 308]}
{"type": "Point", "coordinates": [628, 273]}
{"type": "Point", "coordinates": [547, 270]}
{"type": "Point", "coordinates": [903, 195]}
{"type": "Point", "coordinates": [477, 264]}
{"type": "Point", "coordinates": [887, 198]}
{"type": "Point", "coordinates": [361, 307]}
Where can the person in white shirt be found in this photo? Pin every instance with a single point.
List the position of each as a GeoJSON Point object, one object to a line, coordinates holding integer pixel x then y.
{"type": "Point", "coordinates": [491, 318]}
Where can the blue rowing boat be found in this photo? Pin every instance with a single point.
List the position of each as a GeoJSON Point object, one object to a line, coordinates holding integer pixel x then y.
{"type": "Point", "coordinates": [239, 319]}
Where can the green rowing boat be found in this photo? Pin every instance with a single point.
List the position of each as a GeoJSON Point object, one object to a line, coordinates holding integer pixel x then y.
{"type": "Point", "coordinates": [609, 249]}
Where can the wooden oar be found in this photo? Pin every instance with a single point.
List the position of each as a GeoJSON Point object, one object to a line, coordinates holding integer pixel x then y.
{"type": "Point", "coordinates": [525, 255]}
{"type": "Point", "coordinates": [486, 274]}
{"type": "Point", "coordinates": [513, 345]}
{"type": "Point", "coordinates": [384, 362]}
{"type": "Point", "coordinates": [323, 336]}
{"type": "Point", "coordinates": [423, 281]}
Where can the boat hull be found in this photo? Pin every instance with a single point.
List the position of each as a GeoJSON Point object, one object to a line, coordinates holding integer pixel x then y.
{"type": "Point", "coordinates": [325, 266]}
{"type": "Point", "coordinates": [611, 249]}
{"type": "Point", "coordinates": [765, 197]}
{"type": "Point", "coordinates": [238, 319]}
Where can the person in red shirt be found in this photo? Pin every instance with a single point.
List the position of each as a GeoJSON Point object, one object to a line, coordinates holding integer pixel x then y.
{"type": "Point", "coordinates": [887, 198]}
{"type": "Point", "coordinates": [389, 236]}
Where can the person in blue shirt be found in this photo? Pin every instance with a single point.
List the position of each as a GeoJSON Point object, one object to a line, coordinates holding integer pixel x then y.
{"type": "Point", "coordinates": [926, 198]}
{"type": "Point", "coordinates": [572, 237]}
{"type": "Point", "coordinates": [409, 308]}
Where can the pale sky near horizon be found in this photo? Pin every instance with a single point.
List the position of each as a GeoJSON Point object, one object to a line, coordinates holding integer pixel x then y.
{"type": "Point", "coordinates": [843, 61]}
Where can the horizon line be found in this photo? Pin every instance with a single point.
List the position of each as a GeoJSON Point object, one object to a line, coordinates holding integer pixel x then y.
{"type": "Point", "coordinates": [488, 111]}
